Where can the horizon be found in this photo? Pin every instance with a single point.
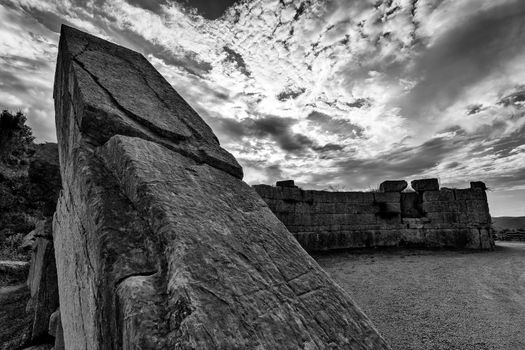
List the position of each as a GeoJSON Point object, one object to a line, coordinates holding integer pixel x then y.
{"type": "Point", "coordinates": [331, 93]}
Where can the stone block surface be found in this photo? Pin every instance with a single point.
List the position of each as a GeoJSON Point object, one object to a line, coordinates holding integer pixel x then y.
{"type": "Point", "coordinates": [438, 196]}
{"type": "Point", "coordinates": [425, 185]}
{"type": "Point", "coordinates": [478, 184]}
{"type": "Point", "coordinates": [159, 244]}
{"type": "Point", "coordinates": [430, 218]}
{"type": "Point", "coordinates": [145, 105]}
{"type": "Point", "coordinates": [42, 283]}
{"type": "Point", "coordinates": [285, 183]}
{"type": "Point", "coordinates": [393, 186]}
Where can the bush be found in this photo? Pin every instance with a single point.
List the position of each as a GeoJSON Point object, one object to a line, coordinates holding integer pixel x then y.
{"type": "Point", "coordinates": [10, 248]}
{"type": "Point", "coordinates": [15, 138]}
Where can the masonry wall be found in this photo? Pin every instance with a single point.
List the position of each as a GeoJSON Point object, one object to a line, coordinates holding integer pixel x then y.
{"type": "Point", "coordinates": [441, 218]}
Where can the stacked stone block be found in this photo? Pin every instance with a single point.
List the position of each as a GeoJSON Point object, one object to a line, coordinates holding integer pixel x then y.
{"type": "Point", "coordinates": [429, 217]}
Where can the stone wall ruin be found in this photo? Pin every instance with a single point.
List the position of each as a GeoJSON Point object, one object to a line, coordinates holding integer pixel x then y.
{"type": "Point", "coordinates": [429, 217]}
{"type": "Point", "coordinates": [159, 243]}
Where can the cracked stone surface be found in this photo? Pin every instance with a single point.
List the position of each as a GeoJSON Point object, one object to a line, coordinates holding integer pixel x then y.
{"type": "Point", "coordinates": [159, 244]}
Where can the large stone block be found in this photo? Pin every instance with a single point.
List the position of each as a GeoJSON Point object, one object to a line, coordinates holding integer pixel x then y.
{"type": "Point", "coordinates": [425, 185]}
{"type": "Point", "coordinates": [117, 91]}
{"type": "Point", "coordinates": [478, 184]}
{"type": "Point", "coordinates": [159, 244]}
{"type": "Point", "coordinates": [358, 197]}
{"type": "Point", "coordinates": [438, 196]}
{"type": "Point", "coordinates": [411, 205]}
{"type": "Point", "coordinates": [393, 186]}
{"type": "Point", "coordinates": [285, 183]}
{"type": "Point", "coordinates": [470, 194]}
{"type": "Point", "coordinates": [445, 206]}
{"type": "Point", "coordinates": [387, 197]}
{"type": "Point", "coordinates": [56, 330]}
{"type": "Point", "coordinates": [42, 282]}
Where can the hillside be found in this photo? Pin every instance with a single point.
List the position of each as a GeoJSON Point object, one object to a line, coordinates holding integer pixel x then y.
{"type": "Point", "coordinates": [28, 194]}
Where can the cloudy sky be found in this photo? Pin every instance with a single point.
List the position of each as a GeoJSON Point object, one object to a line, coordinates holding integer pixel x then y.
{"type": "Point", "coordinates": [333, 93]}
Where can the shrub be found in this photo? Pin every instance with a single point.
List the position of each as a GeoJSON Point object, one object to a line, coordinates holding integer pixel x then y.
{"type": "Point", "coordinates": [15, 138]}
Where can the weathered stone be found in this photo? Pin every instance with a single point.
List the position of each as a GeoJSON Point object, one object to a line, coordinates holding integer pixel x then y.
{"type": "Point", "coordinates": [285, 183]}
{"type": "Point", "coordinates": [425, 185]}
{"type": "Point", "coordinates": [411, 205]}
{"type": "Point", "coordinates": [145, 105]}
{"type": "Point", "coordinates": [470, 194]}
{"type": "Point", "coordinates": [55, 329]}
{"type": "Point", "coordinates": [387, 197]}
{"type": "Point", "coordinates": [442, 195]}
{"type": "Point", "coordinates": [54, 319]}
{"type": "Point", "coordinates": [384, 219]}
{"type": "Point", "coordinates": [159, 244]}
{"type": "Point", "coordinates": [29, 241]}
{"type": "Point", "coordinates": [393, 186]}
{"type": "Point", "coordinates": [42, 282]}
{"type": "Point", "coordinates": [15, 323]}
{"type": "Point", "coordinates": [478, 184]}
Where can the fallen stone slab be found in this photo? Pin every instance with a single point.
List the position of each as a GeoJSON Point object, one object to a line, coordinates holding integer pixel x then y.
{"type": "Point", "coordinates": [159, 244]}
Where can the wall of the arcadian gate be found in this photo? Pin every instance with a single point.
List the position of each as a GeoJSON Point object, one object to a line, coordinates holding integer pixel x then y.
{"type": "Point", "coordinates": [429, 217]}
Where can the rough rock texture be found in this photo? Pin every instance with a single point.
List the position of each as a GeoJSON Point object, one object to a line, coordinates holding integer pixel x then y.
{"type": "Point", "coordinates": [393, 186]}
{"type": "Point", "coordinates": [159, 244]}
{"type": "Point", "coordinates": [42, 282]}
{"type": "Point", "coordinates": [323, 220]}
{"type": "Point", "coordinates": [15, 323]}
{"type": "Point", "coordinates": [55, 330]}
{"type": "Point", "coordinates": [425, 185]}
{"type": "Point", "coordinates": [478, 184]}
{"type": "Point", "coordinates": [285, 183]}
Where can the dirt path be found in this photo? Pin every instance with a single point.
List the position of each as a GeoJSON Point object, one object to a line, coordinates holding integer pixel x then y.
{"type": "Point", "coordinates": [436, 299]}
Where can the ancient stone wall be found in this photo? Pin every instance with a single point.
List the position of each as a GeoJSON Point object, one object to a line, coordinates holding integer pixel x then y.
{"type": "Point", "coordinates": [159, 243]}
{"type": "Point", "coordinates": [429, 217]}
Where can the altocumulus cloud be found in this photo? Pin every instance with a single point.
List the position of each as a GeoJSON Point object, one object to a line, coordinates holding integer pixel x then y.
{"type": "Point", "coordinates": [334, 92]}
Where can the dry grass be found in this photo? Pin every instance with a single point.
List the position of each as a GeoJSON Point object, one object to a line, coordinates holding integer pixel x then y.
{"type": "Point", "coordinates": [10, 248]}
{"type": "Point", "coordinates": [424, 300]}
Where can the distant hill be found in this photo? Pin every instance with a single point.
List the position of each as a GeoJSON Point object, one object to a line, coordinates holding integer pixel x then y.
{"type": "Point", "coordinates": [508, 222]}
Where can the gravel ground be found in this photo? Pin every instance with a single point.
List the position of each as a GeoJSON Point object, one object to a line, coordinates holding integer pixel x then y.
{"type": "Point", "coordinates": [446, 300]}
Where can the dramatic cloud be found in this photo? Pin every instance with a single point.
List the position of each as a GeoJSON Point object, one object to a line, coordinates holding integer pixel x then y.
{"type": "Point", "coordinates": [337, 93]}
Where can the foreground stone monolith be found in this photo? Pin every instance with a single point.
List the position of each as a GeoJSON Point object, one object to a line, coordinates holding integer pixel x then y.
{"type": "Point", "coordinates": [159, 244]}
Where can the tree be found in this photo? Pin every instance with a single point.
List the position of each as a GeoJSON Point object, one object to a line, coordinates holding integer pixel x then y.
{"type": "Point", "coordinates": [15, 138]}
